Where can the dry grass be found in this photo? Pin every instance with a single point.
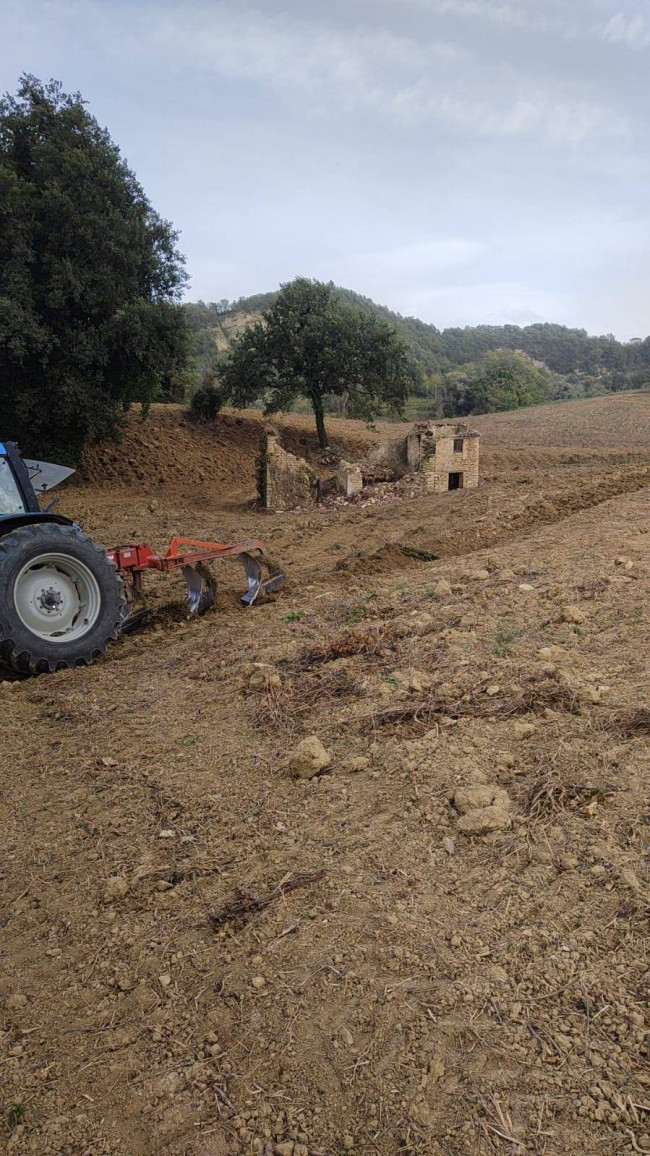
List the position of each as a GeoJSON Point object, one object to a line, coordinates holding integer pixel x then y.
{"type": "Point", "coordinates": [358, 640]}
{"type": "Point", "coordinates": [550, 793]}
{"type": "Point", "coordinates": [246, 904]}
{"type": "Point", "coordinates": [629, 724]}
{"type": "Point", "coordinates": [284, 708]}
{"type": "Point", "coordinates": [534, 698]}
{"type": "Point", "coordinates": [276, 710]}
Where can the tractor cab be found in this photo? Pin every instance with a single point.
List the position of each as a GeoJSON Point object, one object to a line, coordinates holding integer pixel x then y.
{"type": "Point", "coordinates": [21, 480]}
{"type": "Point", "coordinates": [12, 499]}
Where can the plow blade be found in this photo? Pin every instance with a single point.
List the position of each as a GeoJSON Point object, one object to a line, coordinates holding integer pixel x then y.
{"type": "Point", "coordinates": [256, 582]}
{"type": "Point", "coordinates": [201, 588]}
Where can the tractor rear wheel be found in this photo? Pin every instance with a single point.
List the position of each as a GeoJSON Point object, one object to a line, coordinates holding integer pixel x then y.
{"type": "Point", "coordinates": [61, 599]}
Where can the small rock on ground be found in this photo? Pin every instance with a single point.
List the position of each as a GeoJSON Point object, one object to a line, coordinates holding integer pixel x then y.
{"type": "Point", "coordinates": [573, 614]}
{"type": "Point", "coordinates": [484, 820]}
{"type": "Point", "coordinates": [309, 758]}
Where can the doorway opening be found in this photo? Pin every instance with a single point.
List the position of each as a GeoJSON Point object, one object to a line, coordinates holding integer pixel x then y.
{"type": "Point", "coordinates": [456, 481]}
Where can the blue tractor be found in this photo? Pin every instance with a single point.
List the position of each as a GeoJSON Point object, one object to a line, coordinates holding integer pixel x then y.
{"type": "Point", "coordinates": [62, 598]}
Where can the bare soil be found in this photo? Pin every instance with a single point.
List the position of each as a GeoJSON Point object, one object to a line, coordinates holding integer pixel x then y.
{"type": "Point", "coordinates": [203, 954]}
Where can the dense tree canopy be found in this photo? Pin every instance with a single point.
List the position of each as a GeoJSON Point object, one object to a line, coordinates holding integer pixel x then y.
{"type": "Point", "coordinates": [309, 345]}
{"type": "Point", "coordinates": [90, 277]}
{"type": "Point", "coordinates": [503, 379]}
{"type": "Point", "coordinates": [582, 364]}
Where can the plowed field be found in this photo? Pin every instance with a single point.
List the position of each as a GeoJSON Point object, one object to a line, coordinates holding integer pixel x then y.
{"type": "Point", "coordinates": [438, 945]}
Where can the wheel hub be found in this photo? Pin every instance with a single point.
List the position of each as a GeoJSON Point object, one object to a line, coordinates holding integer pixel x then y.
{"type": "Point", "coordinates": [50, 600]}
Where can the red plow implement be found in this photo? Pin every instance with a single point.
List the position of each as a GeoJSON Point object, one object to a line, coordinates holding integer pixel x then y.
{"type": "Point", "coordinates": [192, 557]}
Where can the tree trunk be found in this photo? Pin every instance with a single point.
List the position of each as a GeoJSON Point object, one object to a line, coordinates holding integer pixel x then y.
{"type": "Point", "coordinates": [317, 403]}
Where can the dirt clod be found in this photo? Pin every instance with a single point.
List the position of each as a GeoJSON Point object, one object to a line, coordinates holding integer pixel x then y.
{"type": "Point", "coordinates": [630, 879]}
{"type": "Point", "coordinates": [309, 758]}
{"type": "Point", "coordinates": [573, 614]}
{"type": "Point", "coordinates": [16, 1001]}
{"type": "Point", "coordinates": [484, 820]}
{"type": "Point", "coordinates": [474, 797]}
{"type": "Point", "coordinates": [117, 887]}
{"type": "Point", "coordinates": [523, 730]}
{"type": "Point", "coordinates": [359, 763]}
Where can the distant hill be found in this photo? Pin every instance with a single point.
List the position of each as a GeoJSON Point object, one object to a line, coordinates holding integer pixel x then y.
{"type": "Point", "coordinates": [608, 363]}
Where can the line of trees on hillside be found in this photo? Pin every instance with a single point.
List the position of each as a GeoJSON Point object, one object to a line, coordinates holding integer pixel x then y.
{"type": "Point", "coordinates": [312, 347]}
{"type": "Point", "coordinates": [581, 365]}
{"type": "Point", "coordinates": [478, 369]}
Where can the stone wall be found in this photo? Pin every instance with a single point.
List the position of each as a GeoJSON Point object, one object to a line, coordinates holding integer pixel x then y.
{"type": "Point", "coordinates": [391, 453]}
{"type": "Point", "coordinates": [349, 479]}
{"type": "Point", "coordinates": [285, 480]}
{"type": "Point", "coordinates": [439, 460]}
{"type": "Point", "coordinates": [414, 450]}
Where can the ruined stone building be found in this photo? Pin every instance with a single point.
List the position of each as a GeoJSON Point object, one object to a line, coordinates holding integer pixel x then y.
{"type": "Point", "coordinates": [445, 454]}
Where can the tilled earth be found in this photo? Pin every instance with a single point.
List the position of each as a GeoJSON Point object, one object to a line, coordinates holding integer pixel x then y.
{"type": "Point", "coordinates": [438, 943]}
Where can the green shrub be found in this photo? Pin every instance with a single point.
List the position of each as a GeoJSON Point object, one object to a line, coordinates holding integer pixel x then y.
{"type": "Point", "coordinates": [207, 401]}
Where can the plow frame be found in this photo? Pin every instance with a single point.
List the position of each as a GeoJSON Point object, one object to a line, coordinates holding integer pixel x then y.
{"type": "Point", "coordinates": [191, 555]}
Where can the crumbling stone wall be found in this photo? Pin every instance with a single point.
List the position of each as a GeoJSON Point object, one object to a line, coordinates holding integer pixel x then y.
{"type": "Point", "coordinates": [285, 481]}
{"type": "Point", "coordinates": [414, 449]}
{"type": "Point", "coordinates": [349, 479]}
{"type": "Point", "coordinates": [445, 454]}
{"type": "Point", "coordinates": [433, 450]}
{"type": "Point", "coordinates": [391, 454]}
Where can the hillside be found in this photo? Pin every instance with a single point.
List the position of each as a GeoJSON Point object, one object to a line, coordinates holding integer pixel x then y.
{"type": "Point", "coordinates": [434, 947]}
{"type": "Point", "coordinates": [218, 458]}
{"type": "Point", "coordinates": [565, 351]}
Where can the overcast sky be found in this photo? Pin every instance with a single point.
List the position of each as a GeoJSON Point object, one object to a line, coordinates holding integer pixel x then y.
{"type": "Point", "coordinates": [465, 161]}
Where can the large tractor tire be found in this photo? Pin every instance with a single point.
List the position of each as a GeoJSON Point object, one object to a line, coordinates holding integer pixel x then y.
{"type": "Point", "coordinates": [61, 599]}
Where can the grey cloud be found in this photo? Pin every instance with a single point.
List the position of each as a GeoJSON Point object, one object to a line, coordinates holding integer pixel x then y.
{"type": "Point", "coordinates": [546, 17]}
{"type": "Point", "coordinates": [583, 18]}
{"type": "Point", "coordinates": [633, 31]}
{"type": "Point", "coordinates": [376, 71]}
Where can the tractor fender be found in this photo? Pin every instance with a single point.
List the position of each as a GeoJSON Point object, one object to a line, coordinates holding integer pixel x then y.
{"type": "Point", "coordinates": [11, 522]}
